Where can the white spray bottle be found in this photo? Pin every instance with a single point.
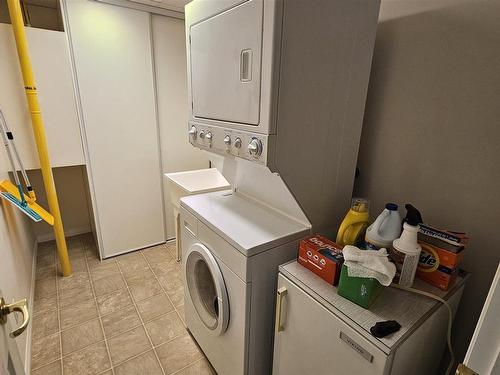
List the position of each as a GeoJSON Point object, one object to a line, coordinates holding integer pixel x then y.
{"type": "Point", "coordinates": [405, 251]}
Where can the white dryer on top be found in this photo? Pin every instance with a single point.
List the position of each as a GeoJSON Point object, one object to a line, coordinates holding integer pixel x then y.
{"type": "Point", "coordinates": [231, 248]}
{"type": "Point", "coordinates": [282, 84]}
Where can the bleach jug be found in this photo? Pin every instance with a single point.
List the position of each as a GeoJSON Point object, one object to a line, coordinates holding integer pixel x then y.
{"type": "Point", "coordinates": [385, 229]}
{"type": "Point", "coordinates": [354, 223]}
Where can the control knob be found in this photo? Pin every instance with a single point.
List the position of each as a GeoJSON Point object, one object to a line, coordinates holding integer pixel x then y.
{"type": "Point", "coordinates": [192, 132]}
{"type": "Point", "coordinates": [237, 142]}
{"type": "Point", "coordinates": [209, 137]}
{"type": "Point", "coordinates": [227, 140]}
{"type": "Point", "coordinates": [202, 134]}
{"type": "Point", "coordinates": [255, 147]}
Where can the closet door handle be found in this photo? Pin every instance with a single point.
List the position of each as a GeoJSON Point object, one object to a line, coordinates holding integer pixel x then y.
{"type": "Point", "coordinates": [282, 292]}
{"type": "Point", "coordinates": [246, 65]}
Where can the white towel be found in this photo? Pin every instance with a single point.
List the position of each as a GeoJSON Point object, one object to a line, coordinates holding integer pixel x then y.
{"type": "Point", "coordinates": [369, 263]}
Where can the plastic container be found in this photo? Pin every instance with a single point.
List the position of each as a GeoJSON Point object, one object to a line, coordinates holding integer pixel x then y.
{"type": "Point", "coordinates": [360, 290]}
{"type": "Point", "coordinates": [405, 253]}
{"type": "Point", "coordinates": [355, 223]}
{"type": "Point", "coordinates": [385, 229]}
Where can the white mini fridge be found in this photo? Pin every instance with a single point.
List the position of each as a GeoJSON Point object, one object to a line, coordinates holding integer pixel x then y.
{"type": "Point", "coordinates": [321, 332]}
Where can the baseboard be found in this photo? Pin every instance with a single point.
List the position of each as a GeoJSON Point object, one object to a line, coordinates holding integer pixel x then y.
{"type": "Point", "coordinates": [29, 333]}
{"type": "Point", "coordinates": [133, 249]}
{"type": "Point", "coordinates": [68, 233]}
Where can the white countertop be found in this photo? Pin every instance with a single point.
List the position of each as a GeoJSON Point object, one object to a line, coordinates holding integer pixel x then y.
{"type": "Point", "coordinates": [247, 225]}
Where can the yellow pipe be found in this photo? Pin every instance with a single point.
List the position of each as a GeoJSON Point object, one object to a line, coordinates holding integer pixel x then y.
{"type": "Point", "coordinates": [39, 131]}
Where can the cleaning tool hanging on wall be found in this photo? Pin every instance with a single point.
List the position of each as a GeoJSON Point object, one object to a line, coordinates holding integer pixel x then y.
{"type": "Point", "coordinates": [14, 194]}
{"type": "Point", "coordinates": [16, 18]}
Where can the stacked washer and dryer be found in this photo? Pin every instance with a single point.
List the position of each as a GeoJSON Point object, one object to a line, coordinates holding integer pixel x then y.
{"type": "Point", "coordinates": [277, 87]}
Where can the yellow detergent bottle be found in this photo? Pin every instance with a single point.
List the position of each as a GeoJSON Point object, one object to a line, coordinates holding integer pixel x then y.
{"type": "Point", "coordinates": [354, 223]}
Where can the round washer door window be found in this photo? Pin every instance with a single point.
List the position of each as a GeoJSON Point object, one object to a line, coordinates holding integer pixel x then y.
{"type": "Point", "coordinates": [206, 288]}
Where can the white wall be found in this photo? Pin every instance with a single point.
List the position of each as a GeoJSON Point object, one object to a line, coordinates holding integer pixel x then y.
{"type": "Point", "coordinates": [50, 61]}
{"type": "Point", "coordinates": [431, 129]}
{"type": "Point", "coordinates": [16, 261]}
{"type": "Point", "coordinates": [169, 46]}
{"type": "Point", "coordinates": [51, 65]}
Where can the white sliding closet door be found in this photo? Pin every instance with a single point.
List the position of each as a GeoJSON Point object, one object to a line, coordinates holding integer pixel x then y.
{"type": "Point", "coordinates": [114, 69]}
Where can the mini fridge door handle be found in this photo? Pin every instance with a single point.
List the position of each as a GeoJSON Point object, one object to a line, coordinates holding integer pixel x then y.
{"type": "Point", "coordinates": [282, 292]}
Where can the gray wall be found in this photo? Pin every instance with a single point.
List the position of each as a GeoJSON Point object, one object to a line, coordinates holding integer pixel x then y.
{"type": "Point", "coordinates": [431, 131]}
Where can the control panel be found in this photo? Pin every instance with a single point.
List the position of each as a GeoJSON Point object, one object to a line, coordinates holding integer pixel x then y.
{"type": "Point", "coordinates": [225, 141]}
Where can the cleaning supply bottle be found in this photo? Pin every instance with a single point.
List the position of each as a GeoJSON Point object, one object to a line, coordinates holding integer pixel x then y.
{"type": "Point", "coordinates": [354, 223]}
{"type": "Point", "coordinates": [385, 229]}
{"type": "Point", "coordinates": [412, 214]}
{"type": "Point", "coordinates": [405, 251]}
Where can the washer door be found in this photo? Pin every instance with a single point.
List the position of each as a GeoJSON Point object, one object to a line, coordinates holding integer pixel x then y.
{"type": "Point", "coordinates": [206, 288]}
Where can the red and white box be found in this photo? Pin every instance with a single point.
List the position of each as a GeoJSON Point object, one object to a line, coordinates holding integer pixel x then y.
{"type": "Point", "coordinates": [321, 256]}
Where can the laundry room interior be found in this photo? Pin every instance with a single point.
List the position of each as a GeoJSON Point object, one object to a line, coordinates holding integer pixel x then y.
{"type": "Point", "coordinates": [249, 187]}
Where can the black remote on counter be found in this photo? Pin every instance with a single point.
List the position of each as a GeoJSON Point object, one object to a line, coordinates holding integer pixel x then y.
{"type": "Point", "coordinates": [382, 329]}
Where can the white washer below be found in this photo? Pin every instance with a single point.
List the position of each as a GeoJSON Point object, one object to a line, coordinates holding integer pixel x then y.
{"type": "Point", "coordinates": [231, 250]}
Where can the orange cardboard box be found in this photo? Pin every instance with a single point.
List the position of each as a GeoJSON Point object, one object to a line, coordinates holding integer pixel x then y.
{"type": "Point", "coordinates": [321, 256]}
{"type": "Point", "coordinates": [437, 266]}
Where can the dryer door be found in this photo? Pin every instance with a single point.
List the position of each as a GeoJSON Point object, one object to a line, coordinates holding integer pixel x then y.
{"type": "Point", "coordinates": [206, 288]}
{"type": "Point", "coordinates": [225, 70]}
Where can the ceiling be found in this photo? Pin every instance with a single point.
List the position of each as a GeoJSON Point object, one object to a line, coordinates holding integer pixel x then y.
{"type": "Point", "coordinates": [175, 5]}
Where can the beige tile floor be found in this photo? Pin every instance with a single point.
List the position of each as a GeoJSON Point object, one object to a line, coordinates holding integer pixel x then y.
{"type": "Point", "coordinates": [123, 315]}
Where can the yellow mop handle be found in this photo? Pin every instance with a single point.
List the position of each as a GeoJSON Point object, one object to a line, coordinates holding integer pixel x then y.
{"type": "Point", "coordinates": [39, 131]}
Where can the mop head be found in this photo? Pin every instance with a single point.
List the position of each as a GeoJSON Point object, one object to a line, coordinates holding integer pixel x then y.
{"type": "Point", "coordinates": [25, 209]}
{"type": "Point", "coordinates": [9, 192]}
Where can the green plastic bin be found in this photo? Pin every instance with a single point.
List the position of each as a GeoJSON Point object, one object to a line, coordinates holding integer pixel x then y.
{"type": "Point", "coordinates": [362, 291]}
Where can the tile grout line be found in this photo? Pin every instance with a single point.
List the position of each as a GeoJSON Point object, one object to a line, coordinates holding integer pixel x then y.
{"type": "Point", "coordinates": [86, 250]}
{"type": "Point", "coordinates": [83, 348]}
{"type": "Point", "coordinates": [120, 333]}
{"type": "Point", "coordinates": [134, 357]}
{"type": "Point", "coordinates": [94, 299]}
{"type": "Point", "coordinates": [138, 325]}
{"type": "Point", "coordinates": [58, 312]}
{"type": "Point", "coordinates": [152, 349]}
{"type": "Point", "coordinates": [179, 315]}
{"type": "Point", "coordinates": [139, 315]}
{"type": "Point", "coordinates": [189, 365]}
{"type": "Point", "coordinates": [161, 285]}
{"type": "Point", "coordinates": [53, 249]}
{"type": "Point", "coordinates": [97, 307]}
{"type": "Point", "coordinates": [175, 308]}
{"type": "Point", "coordinates": [46, 364]}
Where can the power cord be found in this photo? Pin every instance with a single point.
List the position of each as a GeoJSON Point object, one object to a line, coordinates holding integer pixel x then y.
{"type": "Point", "coordinates": [450, 317]}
